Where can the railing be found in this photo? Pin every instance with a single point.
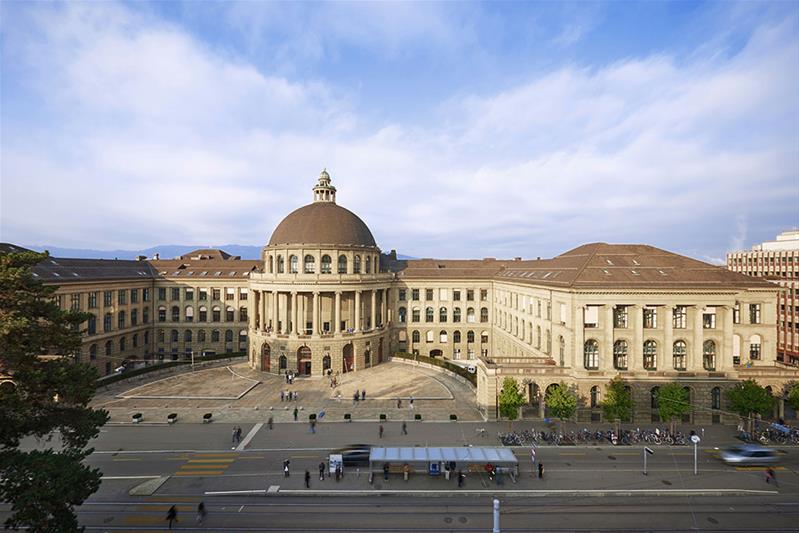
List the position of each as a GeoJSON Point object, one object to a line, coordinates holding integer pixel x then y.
{"type": "Point", "coordinates": [446, 365]}
{"type": "Point", "coordinates": [107, 380]}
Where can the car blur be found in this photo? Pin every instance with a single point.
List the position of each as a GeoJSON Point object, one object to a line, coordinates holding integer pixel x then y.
{"type": "Point", "coordinates": [749, 454]}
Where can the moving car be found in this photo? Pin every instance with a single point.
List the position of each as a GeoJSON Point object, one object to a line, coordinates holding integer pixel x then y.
{"type": "Point", "coordinates": [355, 454]}
{"type": "Point", "coordinates": [749, 454]}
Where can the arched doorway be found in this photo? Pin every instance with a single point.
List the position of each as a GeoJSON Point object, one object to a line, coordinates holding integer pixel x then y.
{"type": "Point", "coordinates": [380, 350]}
{"type": "Point", "coordinates": [325, 363]}
{"type": "Point", "coordinates": [304, 361]}
{"type": "Point", "coordinates": [533, 394]}
{"type": "Point", "coordinates": [436, 353]}
{"type": "Point", "coordinates": [349, 358]}
{"type": "Point", "coordinates": [266, 359]}
{"type": "Point", "coordinates": [552, 388]}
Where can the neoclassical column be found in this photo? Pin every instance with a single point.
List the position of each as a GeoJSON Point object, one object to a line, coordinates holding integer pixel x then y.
{"type": "Point", "coordinates": [294, 312]}
{"type": "Point", "coordinates": [373, 312]}
{"type": "Point", "coordinates": [337, 313]}
{"type": "Point", "coordinates": [357, 325]}
{"type": "Point", "coordinates": [668, 336]}
{"type": "Point", "coordinates": [315, 314]}
{"type": "Point", "coordinates": [383, 307]}
{"type": "Point", "coordinates": [274, 317]}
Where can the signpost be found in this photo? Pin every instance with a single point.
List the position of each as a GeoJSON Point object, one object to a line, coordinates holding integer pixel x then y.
{"type": "Point", "coordinates": [647, 451]}
{"type": "Point", "coordinates": [695, 439]}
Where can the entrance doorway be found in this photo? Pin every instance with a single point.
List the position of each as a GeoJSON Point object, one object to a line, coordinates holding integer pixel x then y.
{"type": "Point", "coordinates": [380, 351]}
{"type": "Point", "coordinates": [304, 361]}
{"type": "Point", "coordinates": [266, 359]}
{"type": "Point", "coordinates": [348, 358]}
{"type": "Point", "coordinates": [436, 353]}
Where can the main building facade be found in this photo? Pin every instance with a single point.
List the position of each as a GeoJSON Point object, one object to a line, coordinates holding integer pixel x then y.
{"type": "Point", "coordinates": [323, 298]}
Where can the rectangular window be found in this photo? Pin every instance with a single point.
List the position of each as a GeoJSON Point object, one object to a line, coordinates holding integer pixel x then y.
{"type": "Point", "coordinates": [107, 322]}
{"type": "Point", "coordinates": [443, 295]}
{"type": "Point", "coordinates": [145, 295]}
{"type": "Point", "coordinates": [562, 312]}
{"type": "Point", "coordinates": [620, 316]}
{"type": "Point", "coordinates": [134, 317]}
{"type": "Point", "coordinates": [415, 295]}
{"type": "Point", "coordinates": [230, 294]}
{"type": "Point", "coordinates": [591, 316]}
{"type": "Point", "coordinates": [736, 314]}
{"type": "Point", "coordinates": [203, 294]}
{"type": "Point", "coordinates": [216, 294]}
{"type": "Point", "coordinates": [107, 298]}
{"type": "Point", "coordinates": [650, 317]}
{"type": "Point", "coordinates": [415, 314]}
{"type": "Point", "coordinates": [709, 318]}
{"type": "Point", "coordinates": [121, 320]}
{"type": "Point", "coordinates": [483, 295]}
{"type": "Point", "coordinates": [162, 293]}
{"type": "Point", "coordinates": [134, 296]}
{"type": "Point", "coordinates": [428, 294]}
{"type": "Point", "coordinates": [175, 293]}
{"type": "Point", "coordinates": [680, 317]}
{"type": "Point", "coordinates": [121, 296]}
{"type": "Point", "coordinates": [92, 300]}
{"type": "Point", "coordinates": [242, 294]}
{"type": "Point", "coordinates": [74, 302]}
{"type": "Point", "coordinates": [469, 295]}
{"type": "Point", "coordinates": [754, 313]}
{"type": "Point", "coordinates": [549, 310]}
{"type": "Point", "coordinates": [401, 295]}
{"type": "Point", "coordinates": [145, 315]}
{"type": "Point", "coordinates": [456, 295]}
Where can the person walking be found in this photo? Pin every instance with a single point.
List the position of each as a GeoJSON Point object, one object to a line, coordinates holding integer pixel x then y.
{"type": "Point", "coordinates": [399, 403]}
{"type": "Point", "coordinates": [286, 464]}
{"type": "Point", "coordinates": [771, 476]}
{"type": "Point", "coordinates": [410, 402]}
{"type": "Point", "coordinates": [238, 434]}
{"type": "Point", "coordinates": [461, 478]}
{"type": "Point", "coordinates": [307, 480]}
{"type": "Point", "coordinates": [172, 516]}
{"type": "Point", "coordinates": [540, 470]}
{"type": "Point", "coordinates": [201, 513]}
{"type": "Point", "coordinates": [363, 394]}
{"type": "Point", "coordinates": [386, 469]}
{"type": "Point", "coordinates": [313, 426]}
{"type": "Point", "coordinates": [357, 396]}
{"type": "Point", "coordinates": [296, 411]}
{"type": "Point", "coordinates": [270, 423]}
{"type": "Point", "coordinates": [338, 473]}
{"type": "Point", "coordinates": [322, 471]}
{"type": "Point", "coordinates": [404, 428]}
{"type": "Point", "coordinates": [233, 439]}
{"type": "Point", "coordinates": [282, 395]}
{"type": "Point", "coordinates": [380, 431]}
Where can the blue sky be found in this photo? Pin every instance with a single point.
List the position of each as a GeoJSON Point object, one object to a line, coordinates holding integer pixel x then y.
{"type": "Point", "coordinates": [453, 129]}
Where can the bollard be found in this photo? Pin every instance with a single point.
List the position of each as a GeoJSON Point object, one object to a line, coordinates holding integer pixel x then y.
{"type": "Point", "coordinates": [496, 517]}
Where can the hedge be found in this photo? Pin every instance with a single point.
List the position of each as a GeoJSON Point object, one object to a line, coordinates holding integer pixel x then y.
{"type": "Point", "coordinates": [455, 369]}
{"type": "Point", "coordinates": [113, 378]}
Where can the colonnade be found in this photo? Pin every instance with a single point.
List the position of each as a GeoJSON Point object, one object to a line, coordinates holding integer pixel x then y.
{"type": "Point", "coordinates": [319, 312]}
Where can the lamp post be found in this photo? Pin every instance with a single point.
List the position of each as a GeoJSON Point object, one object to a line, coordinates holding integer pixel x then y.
{"type": "Point", "coordinates": [192, 360]}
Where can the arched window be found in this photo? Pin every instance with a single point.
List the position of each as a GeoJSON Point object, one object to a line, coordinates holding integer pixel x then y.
{"type": "Point", "coordinates": [620, 355]}
{"type": "Point", "coordinates": [415, 337]}
{"type": "Point", "coordinates": [243, 336]}
{"type": "Point", "coordinates": [595, 397]}
{"type": "Point", "coordinates": [310, 264]}
{"type": "Point", "coordinates": [715, 398]}
{"type": "Point", "coordinates": [215, 335]}
{"type": "Point", "coordinates": [282, 362]}
{"type": "Point", "coordinates": [342, 264]}
{"type": "Point", "coordinates": [591, 354]}
{"type": "Point", "coordinates": [230, 314]}
{"type": "Point", "coordinates": [402, 315]}
{"type": "Point", "coordinates": [93, 352]}
{"type": "Point", "coordinates": [293, 264]}
{"type": "Point", "coordinates": [368, 264]}
{"type": "Point", "coordinates": [201, 335]}
{"type": "Point", "coordinates": [174, 336]}
{"type": "Point", "coordinates": [484, 337]}
{"type": "Point", "coordinates": [429, 336]}
{"type": "Point", "coordinates": [189, 313]}
{"type": "Point", "coordinates": [216, 314]}
{"type": "Point", "coordinates": [470, 336]}
{"type": "Point", "coordinates": [109, 346]}
{"type": "Point", "coordinates": [484, 314]}
{"type": "Point", "coordinates": [326, 363]}
{"type": "Point", "coordinates": [709, 355]}
{"type": "Point", "coordinates": [228, 335]}
{"type": "Point", "coordinates": [327, 265]}
{"type": "Point", "coordinates": [456, 314]}
{"type": "Point", "coordinates": [653, 397]}
{"type": "Point", "coordinates": [161, 314]}
{"type": "Point", "coordinates": [679, 353]}
{"type": "Point", "coordinates": [271, 264]}
{"type": "Point", "coordinates": [415, 314]}
{"type": "Point", "coordinates": [281, 264]}
{"type": "Point", "coordinates": [456, 336]}
{"type": "Point", "coordinates": [442, 314]}
{"type": "Point", "coordinates": [187, 336]}
{"type": "Point", "coordinates": [650, 355]}
{"type": "Point", "coordinates": [356, 264]}
{"type": "Point", "coordinates": [754, 347]}
{"type": "Point", "coordinates": [122, 344]}
{"type": "Point", "coordinates": [203, 314]}
{"type": "Point", "coordinates": [442, 337]}
{"type": "Point", "coordinates": [428, 314]}
{"type": "Point", "coordinates": [470, 315]}
{"type": "Point", "coordinates": [242, 314]}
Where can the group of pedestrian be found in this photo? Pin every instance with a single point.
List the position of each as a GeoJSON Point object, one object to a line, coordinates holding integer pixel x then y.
{"type": "Point", "coordinates": [172, 514]}
{"type": "Point", "coordinates": [286, 464]}
{"type": "Point", "coordinates": [289, 396]}
{"type": "Point", "coordinates": [360, 395]}
{"type": "Point", "coordinates": [289, 377]}
{"type": "Point", "coordinates": [236, 437]}
{"type": "Point", "coordinates": [333, 380]}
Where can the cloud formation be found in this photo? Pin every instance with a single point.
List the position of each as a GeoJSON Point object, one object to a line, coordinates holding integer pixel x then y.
{"type": "Point", "coordinates": [130, 129]}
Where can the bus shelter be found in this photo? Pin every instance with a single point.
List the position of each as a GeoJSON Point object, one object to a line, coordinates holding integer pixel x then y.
{"type": "Point", "coordinates": [435, 460]}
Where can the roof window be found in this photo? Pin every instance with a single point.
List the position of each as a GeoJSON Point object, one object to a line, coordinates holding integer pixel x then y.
{"type": "Point", "coordinates": [204, 273]}
{"type": "Point", "coordinates": [635, 272]}
{"type": "Point", "coordinates": [607, 273]}
{"type": "Point", "coordinates": [662, 273]}
{"type": "Point", "coordinates": [609, 262]}
{"type": "Point", "coordinates": [176, 273]}
{"type": "Point", "coordinates": [217, 273]}
{"type": "Point", "coordinates": [635, 262]}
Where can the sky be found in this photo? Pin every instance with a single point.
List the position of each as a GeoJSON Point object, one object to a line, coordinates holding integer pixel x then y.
{"type": "Point", "coordinates": [454, 129]}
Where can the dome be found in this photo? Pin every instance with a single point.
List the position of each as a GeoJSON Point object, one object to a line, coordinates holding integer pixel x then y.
{"type": "Point", "coordinates": [322, 223]}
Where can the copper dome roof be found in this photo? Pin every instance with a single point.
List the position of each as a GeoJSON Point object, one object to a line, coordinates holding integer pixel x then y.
{"type": "Point", "coordinates": [322, 223]}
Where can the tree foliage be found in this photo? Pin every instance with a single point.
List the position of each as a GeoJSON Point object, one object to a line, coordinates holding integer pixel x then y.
{"type": "Point", "coordinates": [618, 402]}
{"type": "Point", "coordinates": [510, 399]}
{"type": "Point", "coordinates": [49, 400]}
{"type": "Point", "coordinates": [747, 398]}
{"type": "Point", "coordinates": [561, 401]}
{"type": "Point", "coordinates": [673, 402]}
{"type": "Point", "coordinates": [793, 395]}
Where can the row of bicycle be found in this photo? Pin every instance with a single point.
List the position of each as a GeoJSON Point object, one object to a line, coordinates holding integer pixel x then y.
{"type": "Point", "coordinates": [531, 437]}
{"type": "Point", "coordinates": [771, 436]}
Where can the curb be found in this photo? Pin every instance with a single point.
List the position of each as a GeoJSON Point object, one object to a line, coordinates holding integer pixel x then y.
{"type": "Point", "coordinates": [510, 493]}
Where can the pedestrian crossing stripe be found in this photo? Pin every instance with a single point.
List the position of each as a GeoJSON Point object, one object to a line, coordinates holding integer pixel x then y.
{"type": "Point", "coordinates": [758, 468]}
{"type": "Point", "coordinates": [200, 473]}
{"type": "Point", "coordinates": [211, 460]}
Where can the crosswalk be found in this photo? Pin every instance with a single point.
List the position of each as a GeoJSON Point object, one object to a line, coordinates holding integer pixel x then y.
{"type": "Point", "coordinates": [207, 464]}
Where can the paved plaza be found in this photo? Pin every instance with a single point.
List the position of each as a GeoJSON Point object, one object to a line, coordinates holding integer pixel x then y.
{"type": "Point", "coordinates": [235, 393]}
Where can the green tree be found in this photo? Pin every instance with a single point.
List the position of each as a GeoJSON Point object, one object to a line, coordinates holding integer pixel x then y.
{"type": "Point", "coordinates": [43, 486]}
{"type": "Point", "coordinates": [562, 401]}
{"type": "Point", "coordinates": [747, 398]}
{"type": "Point", "coordinates": [793, 395]}
{"type": "Point", "coordinates": [618, 402]}
{"type": "Point", "coordinates": [510, 399]}
{"type": "Point", "coordinates": [673, 403]}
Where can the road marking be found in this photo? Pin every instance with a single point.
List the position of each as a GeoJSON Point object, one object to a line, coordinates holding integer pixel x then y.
{"type": "Point", "coordinates": [570, 454]}
{"type": "Point", "coordinates": [228, 461]}
{"type": "Point", "coordinates": [131, 459]}
{"type": "Point", "coordinates": [185, 499]}
{"type": "Point", "coordinates": [256, 428]}
{"type": "Point", "coordinates": [130, 477]}
{"type": "Point", "coordinates": [252, 457]}
{"type": "Point", "coordinates": [200, 473]}
{"type": "Point", "coordinates": [229, 454]}
{"type": "Point", "coordinates": [200, 467]}
{"type": "Point", "coordinates": [757, 468]}
{"type": "Point", "coordinates": [303, 456]}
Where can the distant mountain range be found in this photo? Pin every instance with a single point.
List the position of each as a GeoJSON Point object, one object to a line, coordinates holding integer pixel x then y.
{"type": "Point", "coordinates": [165, 251]}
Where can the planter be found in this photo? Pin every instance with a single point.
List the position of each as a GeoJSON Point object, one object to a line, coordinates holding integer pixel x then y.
{"type": "Point", "coordinates": [207, 418]}
{"type": "Point", "coordinates": [454, 418]}
{"type": "Point", "coordinates": [382, 417]}
{"type": "Point", "coordinates": [137, 418]}
{"type": "Point", "coordinates": [348, 417]}
{"type": "Point", "coordinates": [171, 418]}
{"type": "Point", "coordinates": [312, 416]}
{"type": "Point", "coordinates": [417, 416]}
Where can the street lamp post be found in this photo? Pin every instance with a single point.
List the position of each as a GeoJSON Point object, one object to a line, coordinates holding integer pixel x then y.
{"type": "Point", "coordinates": [695, 439]}
{"type": "Point", "coordinates": [496, 517]}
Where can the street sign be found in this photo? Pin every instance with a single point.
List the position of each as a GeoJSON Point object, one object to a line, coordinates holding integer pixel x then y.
{"type": "Point", "coordinates": [695, 439]}
{"type": "Point", "coordinates": [649, 450]}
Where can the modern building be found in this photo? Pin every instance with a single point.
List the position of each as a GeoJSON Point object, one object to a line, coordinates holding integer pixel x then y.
{"type": "Point", "coordinates": [324, 298]}
{"type": "Point", "coordinates": [778, 262]}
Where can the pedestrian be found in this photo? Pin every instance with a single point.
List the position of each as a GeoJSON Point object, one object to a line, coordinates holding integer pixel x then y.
{"type": "Point", "coordinates": [313, 426]}
{"type": "Point", "coordinates": [338, 472]}
{"type": "Point", "coordinates": [296, 411]}
{"type": "Point", "coordinates": [540, 470]}
{"type": "Point", "coordinates": [461, 478]}
{"type": "Point", "coordinates": [357, 395]}
{"type": "Point", "coordinates": [410, 402]}
{"type": "Point", "coordinates": [322, 471]}
{"type": "Point", "coordinates": [233, 438]}
{"type": "Point", "coordinates": [385, 471]}
{"type": "Point", "coordinates": [200, 513]}
{"type": "Point", "coordinates": [404, 428]}
{"type": "Point", "coordinates": [270, 423]}
{"type": "Point", "coordinates": [287, 376]}
{"type": "Point", "coordinates": [282, 395]}
{"type": "Point", "coordinates": [399, 403]}
{"type": "Point", "coordinates": [296, 396]}
{"type": "Point", "coordinates": [286, 464]}
{"type": "Point", "coordinates": [363, 394]}
{"type": "Point", "coordinates": [172, 516]}
{"type": "Point", "coordinates": [380, 431]}
{"type": "Point", "coordinates": [238, 434]}
{"type": "Point", "coordinates": [771, 476]}
{"type": "Point", "coordinates": [307, 480]}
